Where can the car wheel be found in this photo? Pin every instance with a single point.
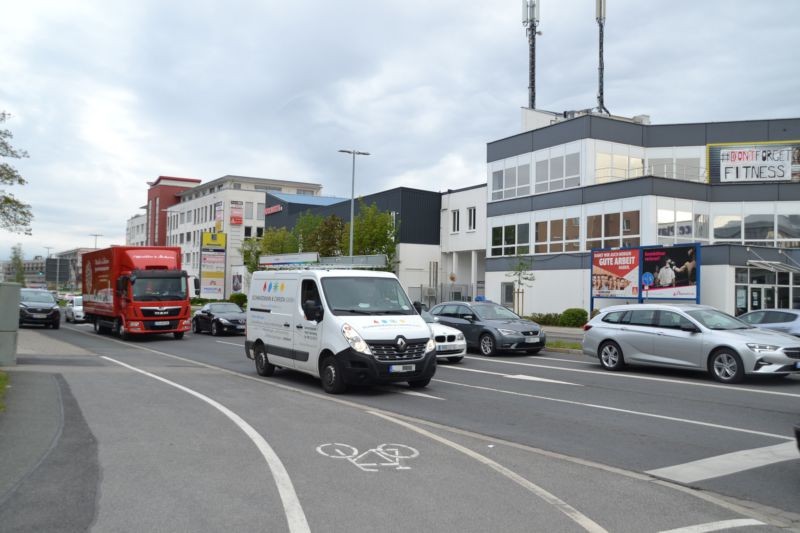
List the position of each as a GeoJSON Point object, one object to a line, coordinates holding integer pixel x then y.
{"type": "Point", "coordinates": [455, 359]}
{"type": "Point", "coordinates": [726, 366]}
{"type": "Point", "coordinates": [56, 324]}
{"type": "Point", "coordinates": [487, 345]}
{"type": "Point", "coordinates": [66, 318]}
{"type": "Point", "coordinates": [215, 329]}
{"type": "Point", "coordinates": [195, 326]}
{"type": "Point", "coordinates": [263, 367]}
{"type": "Point", "coordinates": [178, 335]}
{"type": "Point", "coordinates": [332, 378]}
{"type": "Point", "coordinates": [610, 355]}
{"type": "Point", "coordinates": [419, 383]}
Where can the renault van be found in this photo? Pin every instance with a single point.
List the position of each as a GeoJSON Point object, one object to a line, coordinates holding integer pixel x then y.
{"type": "Point", "coordinates": [347, 327]}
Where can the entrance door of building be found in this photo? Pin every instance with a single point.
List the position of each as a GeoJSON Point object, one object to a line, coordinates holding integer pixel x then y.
{"type": "Point", "coordinates": [761, 298]}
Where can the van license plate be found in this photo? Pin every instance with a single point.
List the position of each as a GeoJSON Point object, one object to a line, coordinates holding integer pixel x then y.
{"type": "Point", "coordinates": [161, 323]}
{"type": "Point", "coordinates": [531, 339]}
{"type": "Point", "coordinates": [401, 368]}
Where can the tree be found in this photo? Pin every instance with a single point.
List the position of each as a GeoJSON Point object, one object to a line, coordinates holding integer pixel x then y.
{"type": "Point", "coordinates": [274, 241]}
{"type": "Point", "coordinates": [331, 232]}
{"type": "Point", "coordinates": [523, 277]}
{"type": "Point", "coordinates": [374, 232]}
{"type": "Point", "coordinates": [17, 266]}
{"type": "Point", "coordinates": [15, 216]}
{"type": "Point", "coordinates": [306, 231]}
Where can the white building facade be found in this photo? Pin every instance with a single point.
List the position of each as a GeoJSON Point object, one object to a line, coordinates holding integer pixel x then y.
{"type": "Point", "coordinates": [136, 230]}
{"type": "Point", "coordinates": [594, 182]}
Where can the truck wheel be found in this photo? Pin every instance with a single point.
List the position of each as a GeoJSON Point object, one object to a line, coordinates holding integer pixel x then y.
{"type": "Point", "coordinates": [332, 378]}
{"type": "Point", "coordinates": [119, 329]}
{"type": "Point", "coordinates": [178, 335]}
{"type": "Point", "coordinates": [263, 367]}
{"type": "Point", "coordinates": [97, 327]}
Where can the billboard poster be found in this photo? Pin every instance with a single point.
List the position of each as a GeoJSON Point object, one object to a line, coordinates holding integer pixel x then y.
{"type": "Point", "coordinates": [615, 273]}
{"type": "Point", "coordinates": [219, 216]}
{"type": "Point", "coordinates": [670, 272]}
{"type": "Point", "coordinates": [212, 274]}
{"type": "Point", "coordinates": [213, 241]}
{"type": "Point", "coordinates": [238, 275]}
{"type": "Point", "coordinates": [754, 162]}
{"type": "Point", "coordinates": [237, 213]}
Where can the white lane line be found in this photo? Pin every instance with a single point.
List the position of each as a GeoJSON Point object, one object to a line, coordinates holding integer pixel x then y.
{"type": "Point", "coordinates": [510, 376]}
{"type": "Point", "coordinates": [717, 526]}
{"type": "Point", "coordinates": [624, 411]}
{"type": "Point", "coordinates": [581, 519]}
{"type": "Point", "coordinates": [418, 394]}
{"type": "Point", "coordinates": [291, 503]}
{"type": "Point", "coordinates": [231, 344]}
{"type": "Point", "coordinates": [634, 376]}
{"type": "Point", "coordinates": [726, 464]}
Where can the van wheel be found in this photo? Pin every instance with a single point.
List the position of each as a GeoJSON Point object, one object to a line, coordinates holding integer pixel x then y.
{"type": "Point", "coordinates": [726, 366]}
{"type": "Point", "coordinates": [419, 383]}
{"type": "Point", "coordinates": [263, 367]}
{"type": "Point", "coordinates": [332, 378]}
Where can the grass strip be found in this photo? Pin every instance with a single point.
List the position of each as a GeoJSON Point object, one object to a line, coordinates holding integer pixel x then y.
{"type": "Point", "coordinates": [3, 385]}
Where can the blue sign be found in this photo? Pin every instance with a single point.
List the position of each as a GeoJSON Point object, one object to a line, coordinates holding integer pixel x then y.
{"type": "Point", "coordinates": [647, 279]}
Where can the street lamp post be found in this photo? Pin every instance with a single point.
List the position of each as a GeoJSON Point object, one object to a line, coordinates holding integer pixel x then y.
{"type": "Point", "coordinates": [95, 235]}
{"type": "Point", "coordinates": [353, 194]}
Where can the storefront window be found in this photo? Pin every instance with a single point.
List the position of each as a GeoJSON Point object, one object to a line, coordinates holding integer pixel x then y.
{"type": "Point", "coordinates": [741, 275]}
{"type": "Point", "coordinates": [759, 276]}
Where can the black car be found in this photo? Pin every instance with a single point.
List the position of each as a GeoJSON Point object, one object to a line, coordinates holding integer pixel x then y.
{"type": "Point", "coordinates": [38, 306]}
{"type": "Point", "coordinates": [490, 327]}
{"type": "Point", "coordinates": [219, 318]}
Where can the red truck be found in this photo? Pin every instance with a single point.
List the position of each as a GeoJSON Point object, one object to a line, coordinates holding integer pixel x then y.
{"type": "Point", "coordinates": [132, 290]}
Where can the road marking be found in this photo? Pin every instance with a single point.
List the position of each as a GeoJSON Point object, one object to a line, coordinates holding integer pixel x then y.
{"type": "Point", "coordinates": [510, 376]}
{"type": "Point", "coordinates": [717, 526]}
{"type": "Point", "coordinates": [581, 519]}
{"type": "Point", "coordinates": [231, 344]}
{"type": "Point", "coordinates": [633, 376]}
{"type": "Point", "coordinates": [624, 411]}
{"type": "Point", "coordinates": [291, 503]}
{"type": "Point", "coordinates": [418, 394]}
{"type": "Point", "coordinates": [384, 455]}
{"type": "Point", "coordinates": [726, 464]}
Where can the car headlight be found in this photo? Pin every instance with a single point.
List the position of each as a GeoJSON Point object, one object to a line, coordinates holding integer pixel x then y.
{"type": "Point", "coordinates": [354, 339]}
{"type": "Point", "coordinates": [225, 321]}
{"type": "Point", "coordinates": [507, 331]}
{"type": "Point", "coordinates": [431, 346]}
{"type": "Point", "coordinates": [759, 348]}
{"type": "Point", "coordinates": [460, 337]}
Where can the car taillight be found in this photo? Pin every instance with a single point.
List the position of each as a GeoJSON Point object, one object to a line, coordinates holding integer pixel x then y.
{"type": "Point", "coordinates": [587, 327]}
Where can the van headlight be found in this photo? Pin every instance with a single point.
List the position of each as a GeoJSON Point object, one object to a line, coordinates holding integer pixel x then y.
{"type": "Point", "coordinates": [354, 339]}
{"type": "Point", "coordinates": [760, 348]}
{"type": "Point", "coordinates": [431, 346]}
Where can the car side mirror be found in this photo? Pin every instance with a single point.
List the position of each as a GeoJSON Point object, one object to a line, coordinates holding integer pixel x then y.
{"type": "Point", "coordinates": [691, 328]}
{"type": "Point", "coordinates": [468, 317]}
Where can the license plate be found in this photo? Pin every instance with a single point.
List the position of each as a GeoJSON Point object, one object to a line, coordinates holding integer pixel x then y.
{"type": "Point", "coordinates": [443, 347]}
{"type": "Point", "coordinates": [797, 365]}
{"type": "Point", "coordinates": [401, 368]}
{"type": "Point", "coordinates": [38, 315]}
{"type": "Point", "coordinates": [239, 327]}
{"type": "Point", "coordinates": [531, 339]}
{"type": "Point", "coordinates": [161, 323]}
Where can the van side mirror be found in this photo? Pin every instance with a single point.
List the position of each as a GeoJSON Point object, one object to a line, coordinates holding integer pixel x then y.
{"type": "Point", "coordinates": [313, 310]}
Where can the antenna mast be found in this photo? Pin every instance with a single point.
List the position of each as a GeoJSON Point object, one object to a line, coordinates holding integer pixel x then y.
{"type": "Point", "coordinates": [601, 21]}
{"type": "Point", "coordinates": [530, 19]}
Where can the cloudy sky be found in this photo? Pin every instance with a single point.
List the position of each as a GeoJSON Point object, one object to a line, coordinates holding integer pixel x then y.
{"type": "Point", "coordinates": [106, 96]}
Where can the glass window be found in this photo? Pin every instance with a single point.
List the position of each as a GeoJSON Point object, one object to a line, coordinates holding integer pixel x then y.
{"type": "Point", "coordinates": [497, 185]}
{"type": "Point", "coordinates": [662, 167]}
{"type": "Point", "coordinates": [668, 319]}
{"type": "Point", "coordinates": [260, 211]}
{"type": "Point", "coordinates": [510, 178]}
{"type": "Point", "coordinates": [556, 230]}
{"type": "Point", "coordinates": [756, 317]}
{"type": "Point", "coordinates": [741, 275]}
{"type": "Point", "coordinates": [509, 235]}
{"type": "Point", "coordinates": [759, 227]}
{"type": "Point", "coordinates": [701, 226]}
{"type": "Point", "coordinates": [572, 165]}
{"type": "Point", "coordinates": [727, 227]}
{"type": "Point", "coordinates": [759, 276]}
{"type": "Point", "coordinates": [630, 223]}
{"type": "Point", "coordinates": [620, 164]}
{"type": "Point", "coordinates": [497, 240]}
{"type": "Point", "coordinates": [594, 226]}
{"type": "Point", "coordinates": [603, 170]}
{"type": "Point", "coordinates": [611, 225]}
{"type": "Point", "coordinates": [523, 175]}
{"type": "Point", "coordinates": [471, 214]}
{"type": "Point", "coordinates": [540, 234]}
{"type": "Point", "coordinates": [572, 228]}
{"type": "Point", "coordinates": [557, 168]}
{"type": "Point", "coordinates": [523, 234]}
{"type": "Point", "coordinates": [666, 222]}
{"type": "Point", "coordinates": [683, 222]}
{"type": "Point", "coordinates": [542, 176]}
{"type": "Point", "coordinates": [456, 221]}
{"type": "Point", "coordinates": [789, 226]}
{"type": "Point", "coordinates": [642, 317]}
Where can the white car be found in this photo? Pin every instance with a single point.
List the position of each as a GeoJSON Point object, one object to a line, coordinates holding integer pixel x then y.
{"type": "Point", "coordinates": [74, 310]}
{"type": "Point", "coordinates": [450, 342]}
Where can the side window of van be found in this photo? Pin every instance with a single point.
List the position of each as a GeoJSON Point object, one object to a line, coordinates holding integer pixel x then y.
{"type": "Point", "coordinates": [309, 291]}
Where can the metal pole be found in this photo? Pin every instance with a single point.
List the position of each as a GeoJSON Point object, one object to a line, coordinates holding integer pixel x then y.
{"type": "Point", "coordinates": [352, 204]}
{"type": "Point", "coordinates": [532, 65]}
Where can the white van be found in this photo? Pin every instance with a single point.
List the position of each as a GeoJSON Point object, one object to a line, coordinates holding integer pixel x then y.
{"type": "Point", "coordinates": [348, 327]}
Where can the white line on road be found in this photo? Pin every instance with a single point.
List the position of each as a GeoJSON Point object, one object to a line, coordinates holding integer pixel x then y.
{"type": "Point", "coordinates": [231, 344]}
{"type": "Point", "coordinates": [618, 410]}
{"type": "Point", "coordinates": [717, 526]}
{"type": "Point", "coordinates": [726, 464]}
{"type": "Point", "coordinates": [634, 376]}
{"type": "Point", "coordinates": [581, 519]}
{"type": "Point", "coordinates": [291, 503]}
{"type": "Point", "coordinates": [514, 376]}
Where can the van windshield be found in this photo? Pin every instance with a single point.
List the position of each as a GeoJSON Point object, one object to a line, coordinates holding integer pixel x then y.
{"type": "Point", "coordinates": [366, 296]}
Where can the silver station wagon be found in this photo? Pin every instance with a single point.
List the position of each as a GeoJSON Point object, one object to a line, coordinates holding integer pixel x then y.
{"type": "Point", "coordinates": [688, 336]}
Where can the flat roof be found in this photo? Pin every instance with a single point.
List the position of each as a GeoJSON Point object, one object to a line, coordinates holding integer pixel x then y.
{"type": "Point", "coordinates": [306, 199]}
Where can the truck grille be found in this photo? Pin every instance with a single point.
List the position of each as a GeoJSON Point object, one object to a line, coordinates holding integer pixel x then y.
{"type": "Point", "coordinates": [388, 351]}
{"type": "Point", "coordinates": [157, 312]}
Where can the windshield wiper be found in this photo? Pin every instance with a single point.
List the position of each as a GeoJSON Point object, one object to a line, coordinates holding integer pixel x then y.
{"type": "Point", "coordinates": [355, 311]}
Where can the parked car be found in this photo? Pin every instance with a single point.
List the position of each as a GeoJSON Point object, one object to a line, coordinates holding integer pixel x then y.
{"type": "Point", "coordinates": [219, 318]}
{"type": "Point", "coordinates": [73, 312]}
{"type": "Point", "coordinates": [490, 327]}
{"type": "Point", "coordinates": [785, 320]}
{"type": "Point", "coordinates": [38, 306]}
{"type": "Point", "coordinates": [688, 336]}
{"type": "Point", "coordinates": [797, 435]}
{"type": "Point", "coordinates": [450, 342]}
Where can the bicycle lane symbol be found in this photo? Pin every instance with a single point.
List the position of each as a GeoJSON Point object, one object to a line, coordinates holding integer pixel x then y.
{"type": "Point", "coordinates": [386, 456]}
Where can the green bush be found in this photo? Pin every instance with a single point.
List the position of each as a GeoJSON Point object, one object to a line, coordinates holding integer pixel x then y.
{"type": "Point", "coordinates": [239, 299]}
{"type": "Point", "coordinates": [573, 318]}
{"type": "Point", "coordinates": [545, 319]}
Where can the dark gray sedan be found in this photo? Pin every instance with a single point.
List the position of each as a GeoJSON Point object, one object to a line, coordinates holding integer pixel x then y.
{"type": "Point", "coordinates": [490, 327]}
{"type": "Point", "coordinates": [219, 318]}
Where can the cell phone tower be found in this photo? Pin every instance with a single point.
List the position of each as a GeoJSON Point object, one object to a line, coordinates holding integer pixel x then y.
{"type": "Point", "coordinates": [601, 22]}
{"type": "Point", "coordinates": [530, 19]}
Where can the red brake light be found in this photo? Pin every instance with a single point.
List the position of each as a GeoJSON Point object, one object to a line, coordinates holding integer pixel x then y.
{"type": "Point", "coordinates": [587, 327]}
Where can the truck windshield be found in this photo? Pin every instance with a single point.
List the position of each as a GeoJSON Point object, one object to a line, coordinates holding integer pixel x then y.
{"type": "Point", "coordinates": [366, 296]}
{"type": "Point", "coordinates": [159, 289]}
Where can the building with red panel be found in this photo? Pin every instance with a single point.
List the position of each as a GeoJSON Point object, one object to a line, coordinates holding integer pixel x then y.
{"type": "Point", "coordinates": [163, 194]}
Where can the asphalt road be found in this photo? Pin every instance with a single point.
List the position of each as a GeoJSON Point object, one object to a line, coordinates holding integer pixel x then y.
{"type": "Point", "coordinates": [159, 434]}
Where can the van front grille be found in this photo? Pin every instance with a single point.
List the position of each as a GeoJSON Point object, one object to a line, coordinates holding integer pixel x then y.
{"type": "Point", "coordinates": [388, 351]}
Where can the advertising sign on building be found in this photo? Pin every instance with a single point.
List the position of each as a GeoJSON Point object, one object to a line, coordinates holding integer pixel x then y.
{"type": "Point", "coordinates": [672, 271]}
{"type": "Point", "coordinates": [212, 265]}
{"type": "Point", "coordinates": [754, 163]}
{"type": "Point", "coordinates": [213, 241]}
{"type": "Point", "coordinates": [219, 216]}
{"type": "Point", "coordinates": [615, 273]}
{"type": "Point", "coordinates": [237, 213]}
{"type": "Point", "coordinates": [238, 279]}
